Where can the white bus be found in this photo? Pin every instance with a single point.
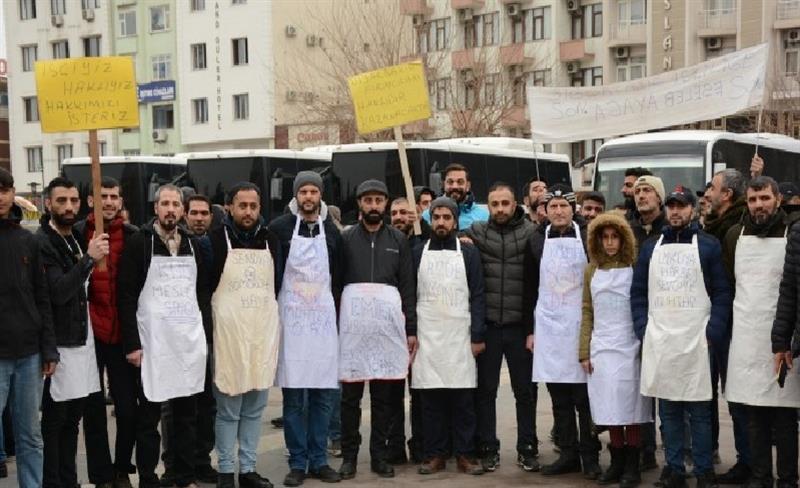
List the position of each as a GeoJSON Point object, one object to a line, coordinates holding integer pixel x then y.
{"type": "Point", "coordinates": [691, 157]}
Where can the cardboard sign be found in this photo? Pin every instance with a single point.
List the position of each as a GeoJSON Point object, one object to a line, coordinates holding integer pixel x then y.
{"type": "Point", "coordinates": [87, 93]}
{"type": "Point", "coordinates": [390, 97]}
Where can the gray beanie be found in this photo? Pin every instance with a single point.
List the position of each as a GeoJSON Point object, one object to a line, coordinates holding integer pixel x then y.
{"type": "Point", "coordinates": [372, 186]}
{"type": "Point", "coordinates": [447, 203]}
{"type": "Point", "coordinates": [307, 178]}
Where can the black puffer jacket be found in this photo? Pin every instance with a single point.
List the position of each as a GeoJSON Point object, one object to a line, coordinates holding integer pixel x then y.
{"type": "Point", "coordinates": [507, 258]}
{"type": "Point", "coordinates": [67, 273]}
{"type": "Point", "coordinates": [787, 315]}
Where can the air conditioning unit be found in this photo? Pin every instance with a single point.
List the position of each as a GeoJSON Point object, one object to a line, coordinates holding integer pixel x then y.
{"type": "Point", "coordinates": [793, 35]}
{"type": "Point", "coordinates": [573, 68]}
{"type": "Point", "coordinates": [622, 52]}
{"type": "Point", "coordinates": [57, 20]}
{"type": "Point", "coordinates": [311, 40]}
{"type": "Point", "coordinates": [465, 15]}
{"type": "Point", "coordinates": [714, 43]}
{"type": "Point", "coordinates": [513, 10]}
{"type": "Point", "coordinates": [574, 7]}
{"type": "Point", "coordinates": [291, 95]}
{"type": "Point", "coordinates": [291, 31]}
{"type": "Point", "coordinates": [88, 14]}
{"type": "Point", "coordinates": [418, 20]}
{"type": "Point", "coordinates": [160, 135]}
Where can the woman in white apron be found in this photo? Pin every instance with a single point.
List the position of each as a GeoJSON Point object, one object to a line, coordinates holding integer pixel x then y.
{"type": "Point", "coordinates": [609, 350]}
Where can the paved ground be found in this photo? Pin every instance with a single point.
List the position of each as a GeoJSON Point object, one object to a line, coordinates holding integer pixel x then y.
{"type": "Point", "coordinates": [272, 462]}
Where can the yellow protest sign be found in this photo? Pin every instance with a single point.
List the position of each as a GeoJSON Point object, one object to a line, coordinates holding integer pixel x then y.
{"type": "Point", "coordinates": [390, 97]}
{"type": "Point", "coordinates": [87, 93]}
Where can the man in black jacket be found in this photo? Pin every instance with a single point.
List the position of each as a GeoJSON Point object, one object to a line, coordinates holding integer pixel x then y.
{"type": "Point", "coordinates": [28, 348]}
{"type": "Point", "coordinates": [163, 311]}
{"type": "Point", "coordinates": [68, 263]}
{"type": "Point", "coordinates": [505, 246]}
{"type": "Point", "coordinates": [377, 326]}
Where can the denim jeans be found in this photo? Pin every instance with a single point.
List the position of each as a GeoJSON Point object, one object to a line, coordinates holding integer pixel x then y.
{"type": "Point", "coordinates": [238, 418]}
{"type": "Point", "coordinates": [672, 428]}
{"type": "Point", "coordinates": [2, 439]}
{"type": "Point", "coordinates": [306, 433]}
{"type": "Point", "coordinates": [335, 427]}
{"type": "Point", "coordinates": [23, 378]}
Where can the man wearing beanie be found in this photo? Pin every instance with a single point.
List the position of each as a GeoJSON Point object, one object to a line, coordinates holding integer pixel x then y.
{"type": "Point", "coordinates": [377, 327]}
{"type": "Point", "coordinates": [559, 250]}
{"type": "Point", "coordinates": [648, 195]}
{"type": "Point", "coordinates": [308, 359]}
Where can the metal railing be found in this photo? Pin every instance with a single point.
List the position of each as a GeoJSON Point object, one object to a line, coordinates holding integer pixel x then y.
{"type": "Point", "coordinates": [718, 19]}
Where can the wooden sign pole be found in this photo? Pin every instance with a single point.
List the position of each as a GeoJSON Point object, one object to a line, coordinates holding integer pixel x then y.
{"type": "Point", "coordinates": [94, 150]}
{"type": "Point", "coordinates": [401, 148]}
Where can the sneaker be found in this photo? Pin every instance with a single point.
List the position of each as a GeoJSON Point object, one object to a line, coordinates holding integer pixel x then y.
{"type": "Point", "coordinates": [326, 474]}
{"type": "Point", "coordinates": [490, 460]}
{"type": "Point", "coordinates": [335, 448]}
{"type": "Point", "coordinates": [296, 477]}
{"type": "Point", "coordinates": [527, 462]}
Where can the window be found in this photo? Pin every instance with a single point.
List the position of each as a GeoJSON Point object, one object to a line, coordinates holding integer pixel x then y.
{"type": "Point", "coordinates": [533, 25]}
{"type": "Point", "coordinates": [590, 23]}
{"type": "Point", "coordinates": [60, 49]}
{"type": "Point", "coordinates": [241, 107]}
{"type": "Point", "coordinates": [238, 2]}
{"type": "Point", "coordinates": [442, 93]}
{"type": "Point", "coordinates": [34, 158]}
{"type": "Point", "coordinates": [87, 4]}
{"type": "Point", "coordinates": [468, 97]}
{"type": "Point", "coordinates": [589, 77]}
{"type": "Point", "coordinates": [490, 86]}
{"type": "Point", "coordinates": [632, 68]}
{"type": "Point", "coordinates": [102, 145]}
{"type": "Point", "coordinates": [163, 117]}
{"type": "Point", "coordinates": [200, 110]}
{"type": "Point", "coordinates": [791, 59]}
{"type": "Point", "coordinates": [58, 7]}
{"type": "Point", "coordinates": [91, 46]}
{"type": "Point", "coordinates": [127, 22]}
{"type": "Point", "coordinates": [240, 51]}
{"type": "Point", "coordinates": [721, 6]}
{"type": "Point", "coordinates": [31, 109]}
{"type": "Point", "coordinates": [159, 18]}
{"type": "Point", "coordinates": [29, 57]}
{"type": "Point", "coordinates": [631, 12]}
{"type": "Point", "coordinates": [199, 56]}
{"type": "Point", "coordinates": [27, 9]}
{"type": "Point", "coordinates": [198, 5]}
{"type": "Point", "coordinates": [162, 67]}
{"type": "Point", "coordinates": [63, 151]}
{"type": "Point", "coordinates": [542, 77]}
{"type": "Point", "coordinates": [434, 36]}
{"type": "Point", "coordinates": [484, 30]}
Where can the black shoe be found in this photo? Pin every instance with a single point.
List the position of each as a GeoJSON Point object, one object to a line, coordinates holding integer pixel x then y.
{"type": "Point", "coordinates": [631, 476]}
{"type": "Point", "coordinates": [675, 480]}
{"type": "Point", "coordinates": [528, 462]}
{"type": "Point", "coordinates": [225, 480]}
{"type": "Point", "coordinates": [591, 469]}
{"type": "Point", "coordinates": [253, 480]}
{"type": "Point", "coordinates": [490, 460]}
{"type": "Point", "coordinates": [755, 483]}
{"type": "Point", "coordinates": [707, 480]}
{"type": "Point", "coordinates": [296, 477]}
{"type": "Point", "coordinates": [206, 474]}
{"type": "Point", "coordinates": [615, 470]}
{"type": "Point", "coordinates": [122, 480]}
{"type": "Point", "coordinates": [737, 475]}
{"type": "Point", "coordinates": [277, 422]}
{"type": "Point", "coordinates": [348, 469]}
{"type": "Point", "coordinates": [3, 470]}
{"type": "Point", "coordinates": [382, 469]}
{"type": "Point", "coordinates": [648, 461]}
{"type": "Point", "coordinates": [168, 479]}
{"type": "Point", "coordinates": [326, 474]}
{"type": "Point", "coordinates": [563, 465]}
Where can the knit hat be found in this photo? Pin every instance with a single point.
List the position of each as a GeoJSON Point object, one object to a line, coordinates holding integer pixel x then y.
{"type": "Point", "coordinates": [304, 178]}
{"type": "Point", "coordinates": [560, 190]}
{"type": "Point", "coordinates": [372, 186]}
{"type": "Point", "coordinates": [653, 181]}
{"type": "Point", "coordinates": [447, 203]}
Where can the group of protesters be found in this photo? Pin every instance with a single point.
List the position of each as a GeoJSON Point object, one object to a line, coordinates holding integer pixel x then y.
{"type": "Point", "coordinates": [625, 314]}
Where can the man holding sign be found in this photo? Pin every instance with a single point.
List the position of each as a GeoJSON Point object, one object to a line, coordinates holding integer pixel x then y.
{"type": "Point", "coordinates": [377, 326]}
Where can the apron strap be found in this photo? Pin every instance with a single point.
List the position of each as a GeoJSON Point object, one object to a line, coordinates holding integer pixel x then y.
{"type": "Point", "coordinates": [658, 243]}
{"type": "Point", "coordinates": [298, 219]}
{"type": "Point", "coordinates": [152, 244]}
{"type": "Point", "coordinates": [458, 245]}
{"type": "Point", "coordinates": [227, 239]}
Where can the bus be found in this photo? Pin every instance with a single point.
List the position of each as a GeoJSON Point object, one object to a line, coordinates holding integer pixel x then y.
{"type": "Point", "coordinates": [139, 177]}
{"type": "Point", "coordinates": [691, 158]}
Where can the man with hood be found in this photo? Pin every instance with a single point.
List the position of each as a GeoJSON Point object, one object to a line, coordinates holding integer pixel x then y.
{"type": "Point", "coordinates": [308, 360]}
{"type": "Point", "coordinates": [450, 329]}
{"type": "Point", "coordinates": [457, 186]}
{"type": "Point", "coordinates": [559, 252]}
{"type": "Point", "coordinates": [505, 246]}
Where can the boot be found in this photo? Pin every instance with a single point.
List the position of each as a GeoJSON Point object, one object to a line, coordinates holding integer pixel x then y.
{"type": "Point", "coordinates": [564, 464]}
{"type": "Point", "coordinates": [591, 467]}
{"type": "Point", "coordinates": [614, 471]}
{"type": "Point", "coordinates": [348, 469]}
{"type": "Point", "coordinates": [631, 476]}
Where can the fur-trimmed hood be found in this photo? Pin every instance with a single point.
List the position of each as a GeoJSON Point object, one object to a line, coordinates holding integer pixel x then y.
{"type": "Point", "coordinates": [626, 256]}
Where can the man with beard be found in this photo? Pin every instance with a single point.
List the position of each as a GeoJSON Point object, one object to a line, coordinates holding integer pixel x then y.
{"type": "Point", "coordinates": [681, 302]}
{"type": "Point", "coordinates": [68, 263]}
{"type": "Point", "coordinates": [457, 186]}
{"type": "Point", "coordinates": [649, 218]}
{"type": "Point", "coordinates": [505, 246]}
{"type": "Point", "coordinates": [198, 215]}
{"type": "Point", "coordinates": [402, 218]}
{"type": "Point", "coordinates": [535, 190]}
{"type": "Point", "coordinates": [377, 325]}
{"type": "Point", "coordinates": [307, 365]}
{"type": "Point", "coordinates": [450, 323]}
{"type": "Point", "coordinates": [628, 189]}
{"type": "Point", "coordinates": [163, 300]}
{"type": "Point", "coordinates": [246, 330]}
{"type": "Point", "coordinates": [754, 253]}
{"type": "Point", "coordinates": [593, 204]}
{"type": "Point", "coordinates": [108, 348]}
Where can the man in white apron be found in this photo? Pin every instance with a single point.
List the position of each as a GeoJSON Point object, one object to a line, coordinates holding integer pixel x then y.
{"type": "Point", "coordinates": [308, 360]}
{"type": "Point", "coordinates": [451, 314]}
{"type": "Point", "coordinates": [681, 302]}
{"type": "Point", "coordinates": [560, 259]}
{"type": "Point", "coordinates": [162, 296]}
{"type": "Point", "coordinates": [68, 264]}
{"type": "Point", "coordinates": [245, 278]}
{"type": "Point", "coordinates": [754, 253]}
{"type": "Point", "coordinates": [377, 327]}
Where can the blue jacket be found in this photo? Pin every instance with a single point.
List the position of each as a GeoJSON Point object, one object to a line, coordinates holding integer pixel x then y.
{"type": "Point", "coordinates": [714, 275]}
{"type": "Point", "coordinates": [468, 212]}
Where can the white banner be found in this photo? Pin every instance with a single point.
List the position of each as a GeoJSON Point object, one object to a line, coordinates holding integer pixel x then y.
{"type": "Point", "coordinates": [712, 89]}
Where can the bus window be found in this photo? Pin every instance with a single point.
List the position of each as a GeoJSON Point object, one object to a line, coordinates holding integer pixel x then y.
{"type": "Point", "coordinates": [779, 164]}
{"type": "Point", "coordinates": [476, 165]}
{"type": "Point", "coordinates": [213, 177]}
{"type": "Point", "coordinates": [673, 170]}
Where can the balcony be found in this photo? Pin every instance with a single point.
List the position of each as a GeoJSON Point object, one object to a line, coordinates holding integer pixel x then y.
{"type": "Point", "coordinates": [515, 117]}
{"type": "Point", "coordinates": [628, 33]}
{"type": "Point", "coordinates": [788, 14]}
{"type": "Point", "coordinates": [574, 50]}
{"type": "Point", "coordinates": [459, 4]}
{"type": "Point", "coordinates": [463, 59]}
{"type": "Point", "coordinates": [786, 86]}
{"type": "Point", "coordinates": [414, 7]}
{"type": "Point", "coordinates": [512, 54]}
{"type": "Point", "coordinates": [718, 22]}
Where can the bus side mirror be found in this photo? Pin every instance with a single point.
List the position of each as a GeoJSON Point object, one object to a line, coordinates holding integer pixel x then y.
{"type": "Point", "coordinates": [276, 188]}
{"type": "Point", "coordinates": [435, 182]}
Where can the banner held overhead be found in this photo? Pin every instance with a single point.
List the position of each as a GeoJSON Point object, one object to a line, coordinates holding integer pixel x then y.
{"type": "Point", "coordinates": [712, 89]}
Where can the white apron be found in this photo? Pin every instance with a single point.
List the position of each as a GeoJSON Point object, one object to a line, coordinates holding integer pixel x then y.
{"type": "Point", "coordinates": [675, 361]}
{"type": "Point", "coordinates": [444, 357]}
{"type": "Point", "coordinates": [309, 348]}
{"type": "Point", "coordinates": [76, 374]}
{"type": "Point", "coordinates": [751, 376]}
{"type": "Point", "coordinates": [372, 334]}
{"type": "Point", "coordinates": [614, 385]}
{"type": "Point", "coordinates": [171, 331]}
{"type": "Point", "coordinates": [558, 310]}
{"type": "Point", "coordinates": [246, 323]}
